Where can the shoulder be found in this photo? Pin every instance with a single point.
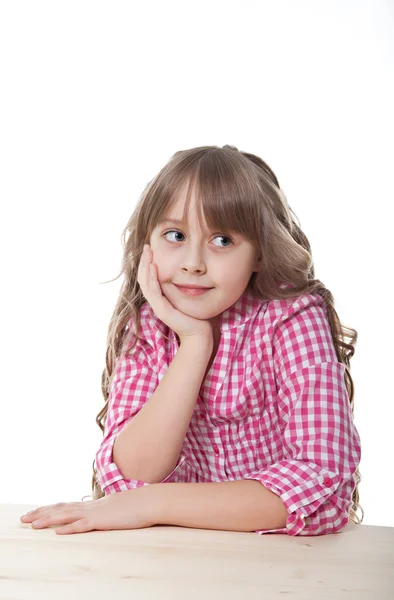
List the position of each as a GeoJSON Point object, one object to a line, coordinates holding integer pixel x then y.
{"type": "Point", "coordinates": [286, 321]}
{"type": "Point", "coordinates": [300, 334]}
{"type": "Point", "coordinates": [281, 310]}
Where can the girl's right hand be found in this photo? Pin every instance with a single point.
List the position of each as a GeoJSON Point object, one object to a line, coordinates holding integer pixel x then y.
{"type": "Point", "coordinates": [185, 326]}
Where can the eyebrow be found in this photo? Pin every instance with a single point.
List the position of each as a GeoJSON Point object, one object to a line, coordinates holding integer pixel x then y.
{"type": "Point", "coordinates": [177, 221]}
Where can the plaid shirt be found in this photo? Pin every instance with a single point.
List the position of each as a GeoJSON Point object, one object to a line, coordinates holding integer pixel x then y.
{"type": "Point", "coordinates": [273, 407]}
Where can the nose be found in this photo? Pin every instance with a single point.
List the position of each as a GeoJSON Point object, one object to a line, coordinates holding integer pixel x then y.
{"type": "Point", "coordinates": [193, 260]}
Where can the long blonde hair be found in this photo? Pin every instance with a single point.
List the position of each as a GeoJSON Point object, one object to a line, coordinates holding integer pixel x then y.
{"type": "Point", "coordinates": [236, 191]}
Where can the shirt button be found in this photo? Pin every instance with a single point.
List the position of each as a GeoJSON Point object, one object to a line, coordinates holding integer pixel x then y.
{"type": "Point", "coordinates": [327, 481]}
{"type": "Point", "coordinates": [216, 449]}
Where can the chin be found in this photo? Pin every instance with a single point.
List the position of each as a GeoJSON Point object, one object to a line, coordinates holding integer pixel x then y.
{"type": "Point", "coordinates": [195, 312]}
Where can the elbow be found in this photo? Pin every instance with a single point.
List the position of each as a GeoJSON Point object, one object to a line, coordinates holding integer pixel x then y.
{"type": "Point", "coordinates": [137, 469]}
{"type": "Point", "coordinates": [125, 465]}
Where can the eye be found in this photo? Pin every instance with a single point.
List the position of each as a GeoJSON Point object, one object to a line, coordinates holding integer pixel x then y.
{"type": "Point", "coordinates": [172, 231]}
{"type": "Point", "coordinates": [225, 237]}
{"type": "Point", "coordinates": [178, 233]}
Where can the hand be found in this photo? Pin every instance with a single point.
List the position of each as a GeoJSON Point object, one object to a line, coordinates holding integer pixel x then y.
{"type": "Point", "coordinates": [184, 325]}
{"type": "Point", "coordinates": [132, 509]}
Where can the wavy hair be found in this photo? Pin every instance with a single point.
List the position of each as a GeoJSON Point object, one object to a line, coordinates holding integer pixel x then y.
{"type": "Point", "coordinates": [236, 191]}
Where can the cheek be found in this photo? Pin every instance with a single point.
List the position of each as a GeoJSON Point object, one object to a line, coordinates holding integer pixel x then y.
{"type": "Point", "coordinates": [157, 255]}
{"type": "Point", "coordinates": [162, 266]}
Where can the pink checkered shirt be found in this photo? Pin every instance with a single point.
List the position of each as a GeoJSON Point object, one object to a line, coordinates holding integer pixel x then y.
{"type": "Point", "coordinates": [273, 407]}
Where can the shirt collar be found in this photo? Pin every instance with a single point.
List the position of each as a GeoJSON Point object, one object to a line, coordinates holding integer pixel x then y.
{"type": "Point", "coordinates": [240, 312]}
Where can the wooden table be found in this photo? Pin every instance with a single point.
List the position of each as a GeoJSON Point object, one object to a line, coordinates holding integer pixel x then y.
{"type": "Point", "coordinates": [181, 563]}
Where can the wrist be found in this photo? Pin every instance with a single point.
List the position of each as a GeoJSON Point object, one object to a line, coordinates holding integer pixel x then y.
{"type": "Point", "coordinates": [155, 502]}
{"type": "Point", "coordinates": [203, 341]}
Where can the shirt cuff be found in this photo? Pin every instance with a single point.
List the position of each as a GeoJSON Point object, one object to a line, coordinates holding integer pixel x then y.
{"type": "Point", "coordinates": [308, 493]}
{"type": "Point", "coordinates": [110, 477]}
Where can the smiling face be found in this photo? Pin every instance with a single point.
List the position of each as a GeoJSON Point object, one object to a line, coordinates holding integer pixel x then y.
{"type": "Point", "coordinates": [186, 255]}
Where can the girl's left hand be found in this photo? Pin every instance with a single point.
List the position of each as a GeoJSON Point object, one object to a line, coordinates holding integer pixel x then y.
{"type": "Point", "coordinates": [132, 509]}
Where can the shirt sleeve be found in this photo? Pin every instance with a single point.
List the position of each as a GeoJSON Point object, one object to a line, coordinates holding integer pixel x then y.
{"type": "Point", "coordinates": [133, 384]}
{"type": "Point", "coordinates": [315, 476]}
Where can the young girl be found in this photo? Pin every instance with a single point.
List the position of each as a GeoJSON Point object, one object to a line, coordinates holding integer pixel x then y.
{"type": "Point", "coordinates": [227, 367]}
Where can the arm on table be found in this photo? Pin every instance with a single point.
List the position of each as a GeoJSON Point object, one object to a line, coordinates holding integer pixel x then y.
{"type": "Point", "coordinates": [243, 505]}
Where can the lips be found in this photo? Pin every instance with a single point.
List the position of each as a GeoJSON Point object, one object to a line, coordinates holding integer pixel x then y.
{"type": "Point", "coordinates": [189, 291]}
{"type": "Point", "coordinates": [192, 287]}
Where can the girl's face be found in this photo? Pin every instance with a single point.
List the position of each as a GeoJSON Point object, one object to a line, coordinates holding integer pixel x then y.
{"type": "Point", "coordinates": [185, 255]}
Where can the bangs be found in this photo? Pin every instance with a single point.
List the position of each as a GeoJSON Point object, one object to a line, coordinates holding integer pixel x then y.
{"type": "Point", "coordinates": [226, 191]}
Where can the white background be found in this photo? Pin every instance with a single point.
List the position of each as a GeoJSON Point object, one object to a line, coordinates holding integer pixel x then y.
{"type": "Point", "coordinates": [95, 98]}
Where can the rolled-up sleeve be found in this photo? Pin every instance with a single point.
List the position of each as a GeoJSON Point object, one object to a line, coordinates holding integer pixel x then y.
{"type": "Point", "coordinates": [133, 384]}
{"type": "Point", "coordinates": [320, 444]}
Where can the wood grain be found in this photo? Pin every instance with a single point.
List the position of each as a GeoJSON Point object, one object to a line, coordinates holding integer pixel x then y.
{"type": "Point", "coordinates": [181, 563]}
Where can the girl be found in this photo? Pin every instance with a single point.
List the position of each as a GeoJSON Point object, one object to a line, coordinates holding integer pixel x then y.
{"type": "Point", "coordinates": [227, 367]}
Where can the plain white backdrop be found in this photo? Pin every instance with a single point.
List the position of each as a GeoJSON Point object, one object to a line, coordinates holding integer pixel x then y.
{"type": "Point", "coordinates": [95, 98]}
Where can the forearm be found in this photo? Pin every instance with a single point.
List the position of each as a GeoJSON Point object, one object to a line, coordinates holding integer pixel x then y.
{"type": "Point", "coordinates": [149, 445]}
{"type": "Point", "coordinates": [244, 505]}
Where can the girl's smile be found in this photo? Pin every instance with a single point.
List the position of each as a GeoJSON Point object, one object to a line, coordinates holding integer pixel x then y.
{"type": "Point", "coordinates": [221, 261]}
{"type": "Point", "coordinates": [192, 291]}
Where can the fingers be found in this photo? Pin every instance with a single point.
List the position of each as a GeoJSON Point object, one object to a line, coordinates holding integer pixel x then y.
{"type": "Point", "coordinates": [57, 518]}
{"type": "Point", "coordinates": [143, 270]}
{"type": "Point", "coordinates": [72, 525]}
{"type": "Point", "coordinates": [154, 282]}
{"type": "Point", "coordinates": [81, 526]}
{"type": "Point", "coordinates": [37, 513]}
{"type": "Point", "coordinates": [148, 276]}
{"type": "Point", "coordinates": [71, 518]}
